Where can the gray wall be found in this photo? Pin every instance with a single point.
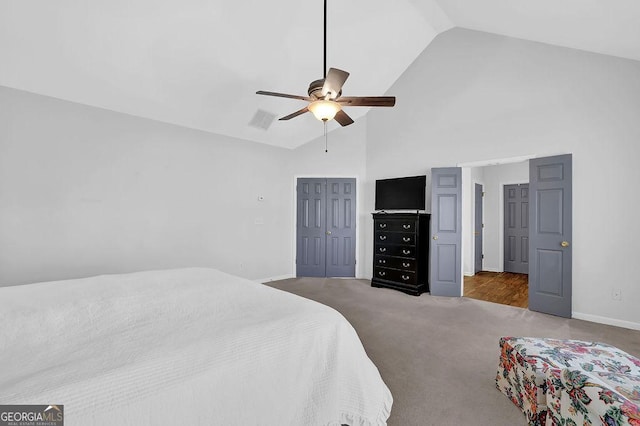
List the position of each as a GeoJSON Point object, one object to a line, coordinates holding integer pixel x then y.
{"type": "Point", "coordinates": [472, 96]}
{"type": "Point", "coordinates": [85, 191]}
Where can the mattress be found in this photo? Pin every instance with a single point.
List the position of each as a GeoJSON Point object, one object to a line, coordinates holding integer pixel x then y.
{"type": "Point", "coordinates": [184, 346]}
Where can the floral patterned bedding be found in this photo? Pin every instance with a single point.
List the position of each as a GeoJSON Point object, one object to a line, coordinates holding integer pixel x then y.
{"type": "Point", "coordinates": [569, 382]}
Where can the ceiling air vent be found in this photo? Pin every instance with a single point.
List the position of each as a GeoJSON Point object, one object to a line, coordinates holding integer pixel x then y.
{"type": "Point", "coordinates": [262, 119]}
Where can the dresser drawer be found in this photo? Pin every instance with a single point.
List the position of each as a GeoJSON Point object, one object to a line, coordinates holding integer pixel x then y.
{"type": "Point", "coordinates": [402, 238]}
{"type": "Point", "coordinates": [403, 277]}
{"type": "Point", "coordinates": [395, 225]}
{"type": "Point", "coordinates": [395, 263]}
{"type": "Point", "coordinates": [401, 251]}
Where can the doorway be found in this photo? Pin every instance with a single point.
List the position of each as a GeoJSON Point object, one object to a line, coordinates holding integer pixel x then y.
{"type": "Point", "coordinates": [550, 260]}
{"type": "Point", "coordinates": [502, 277]}
{"type": "Point", "coordinates": [478, 228]}
{"type": "Point", "coordinates": [325, 227]}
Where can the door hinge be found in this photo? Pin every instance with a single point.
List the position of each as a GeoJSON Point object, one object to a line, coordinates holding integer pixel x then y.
{"type": "Point", "coordinates": [483, 193]}
{"type": "Point", "coordinates": [483, 256]}
{"type": "Point", "coordinates": [483, 225]}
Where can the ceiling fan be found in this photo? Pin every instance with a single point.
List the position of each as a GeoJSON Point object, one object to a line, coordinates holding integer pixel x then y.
{"type": "Point", "coordinates": [325, 95]}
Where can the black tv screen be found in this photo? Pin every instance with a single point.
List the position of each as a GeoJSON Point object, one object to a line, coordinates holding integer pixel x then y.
{"type": "Point", "coordinates": [406, 193]}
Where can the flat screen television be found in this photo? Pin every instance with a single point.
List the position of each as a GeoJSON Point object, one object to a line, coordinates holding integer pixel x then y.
{"type": "Point", "coordinates": [407, 193]}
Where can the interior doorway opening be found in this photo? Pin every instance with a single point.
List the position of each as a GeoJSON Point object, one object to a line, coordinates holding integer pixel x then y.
{"type": "Point", "coordinates": [495, 244]}
{"type": "Point", "coordinates": [550, 233]}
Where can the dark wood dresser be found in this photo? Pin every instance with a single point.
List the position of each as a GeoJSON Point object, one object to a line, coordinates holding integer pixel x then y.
{"type": "Point", "coordinates": [401, 251]}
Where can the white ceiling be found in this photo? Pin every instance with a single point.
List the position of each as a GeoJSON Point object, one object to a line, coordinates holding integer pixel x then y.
{"type": "Point", "coordinates": [198, 63]}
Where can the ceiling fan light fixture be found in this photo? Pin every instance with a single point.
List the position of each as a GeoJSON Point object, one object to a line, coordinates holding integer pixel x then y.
{"type": "Point", "coordinates": [324, 110]}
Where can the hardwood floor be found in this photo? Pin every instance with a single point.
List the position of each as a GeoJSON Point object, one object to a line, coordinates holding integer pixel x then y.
{"type": "Point", "coordinates": [499, 287]}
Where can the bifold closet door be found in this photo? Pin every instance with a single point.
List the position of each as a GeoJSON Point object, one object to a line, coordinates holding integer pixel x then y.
{"type": "Point", "coordinates": [311, 228]}
{"type": "Point", "coordinates": [341, 228]}
{"type": "Point", "coordinates": [325, 227]}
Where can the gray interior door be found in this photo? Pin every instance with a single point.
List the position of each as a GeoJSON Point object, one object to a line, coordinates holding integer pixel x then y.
{"type": "Point", "coordinates": [516, 228]}
{"type": "Point", "coordinates": [341, 228]}
{"type": "Point", "coordinates": [445, 247]}
{"type": "Point", "coordinates": [311, 228]}
{"type": "Point", "coordinates": [325, 227]}
{"type": "Point", "coordinates": [478, 231]}
{"type": "Point", "coordinates": [550, 235]}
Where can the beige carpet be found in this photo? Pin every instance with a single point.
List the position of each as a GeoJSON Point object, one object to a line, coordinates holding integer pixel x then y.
{"type": "Point", "coordinates": [439, 355]}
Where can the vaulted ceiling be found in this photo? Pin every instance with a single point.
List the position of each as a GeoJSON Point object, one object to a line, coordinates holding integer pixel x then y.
{"type": "Point", "coordinates": [198, 63]}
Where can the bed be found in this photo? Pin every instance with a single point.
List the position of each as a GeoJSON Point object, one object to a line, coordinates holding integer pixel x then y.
{"type": "Point", "coordinates": [184, 346]}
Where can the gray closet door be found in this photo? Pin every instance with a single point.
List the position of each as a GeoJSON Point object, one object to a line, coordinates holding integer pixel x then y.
{"type": "Point", "coordinates": [516, 228]}
{"type": "Point", "coordinates": [478, 232]}
{"type": "Point", "coordinates": [550, 235]}
{"type": "Point", "coordinates": [326, 227]}
{"type": "Point", "coordinates": [311, 227]}
{"type": "Point", "coordinates": [445, 247]}
{"type": "Point", "coordinates": [341, 228]}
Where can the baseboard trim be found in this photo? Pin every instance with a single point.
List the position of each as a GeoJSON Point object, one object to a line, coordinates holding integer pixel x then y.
{"type": "Point", "coordinates": [276, 278]}
{"type": "Point", "coordinates": [492, 270]}
{"type": "Point", "coordinates": [606, 320]}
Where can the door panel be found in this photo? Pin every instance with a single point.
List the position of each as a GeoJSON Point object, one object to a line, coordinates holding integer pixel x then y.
{"type": "Point", "coordinates": [550, 249]}
{"type": "Point", "coordinates": [478, 231]}
{"type": "Point", "coordinates": [445, 268]}
{"type": "Point", "coordinates": [325, 229]}
{"type": "Point", "coordinates": [341, 230]}
{"type": "Point", "coordinates": [516, 228]}
{"type": "Point", "coordinates": [310, 228]}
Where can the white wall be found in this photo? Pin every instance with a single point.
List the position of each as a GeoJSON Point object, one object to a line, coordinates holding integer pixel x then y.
{"type": "Point", "coordinates": [86, 191]}
{"type": "Point", "coordinates": [495, 177]}
{"type": "Point", "coordinates": [345, 158]}
{"type": "Point", "coordinates": [472, 96]}
{"type": "Point", "coordinates": [154, 195]}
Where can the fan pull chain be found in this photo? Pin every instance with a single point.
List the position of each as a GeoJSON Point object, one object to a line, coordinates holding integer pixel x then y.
{"type": "Point", "coordinates": [325, 137]}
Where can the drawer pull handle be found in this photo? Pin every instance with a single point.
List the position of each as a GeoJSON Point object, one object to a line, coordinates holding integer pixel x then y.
{"type": "Point", "coordinates": [406, 277]}
{"type": "Point", "coordinates": [406, 226]}
{"type": "Point", "coordinates": [382, 261]}
{"type": "Point", "coordinates": [383, 225]}
{"type": "Point", "coordinates": [383, 249]}
{"type": "Point", "coordinates": [383, 237]}
{"type": "Point", "coordinates": [406, 239]}
{"type": "Point", "coordinates": [405, 251]}
{"type": "Point", "coordinates": [382, 273]}
{"type": "Point", "coordinates": [406, 264]}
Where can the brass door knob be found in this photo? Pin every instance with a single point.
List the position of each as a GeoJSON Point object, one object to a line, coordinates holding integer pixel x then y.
{"type": "Point", "coordinates": [565, 244]}
{"type": "Point", "coordinates": [435, 237]}
{"type": "Point", "coordinates": [328, 232]}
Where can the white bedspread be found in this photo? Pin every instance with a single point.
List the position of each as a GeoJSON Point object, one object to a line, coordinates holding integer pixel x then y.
{"type": "Point", "coordinates": [184, 347]}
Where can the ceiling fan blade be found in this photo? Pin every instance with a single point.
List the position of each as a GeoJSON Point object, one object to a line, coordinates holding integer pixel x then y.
{"type": "Point", "coordinates": [343, 118]}
{"type": "Point", "coordinates": [333, 82]}
{"type": "Point", "coordinates": [283, 95]}
{"type": "Point", "coordinates": [295, 114]}
{"type": "Point", "coordinates": [374, 101]}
